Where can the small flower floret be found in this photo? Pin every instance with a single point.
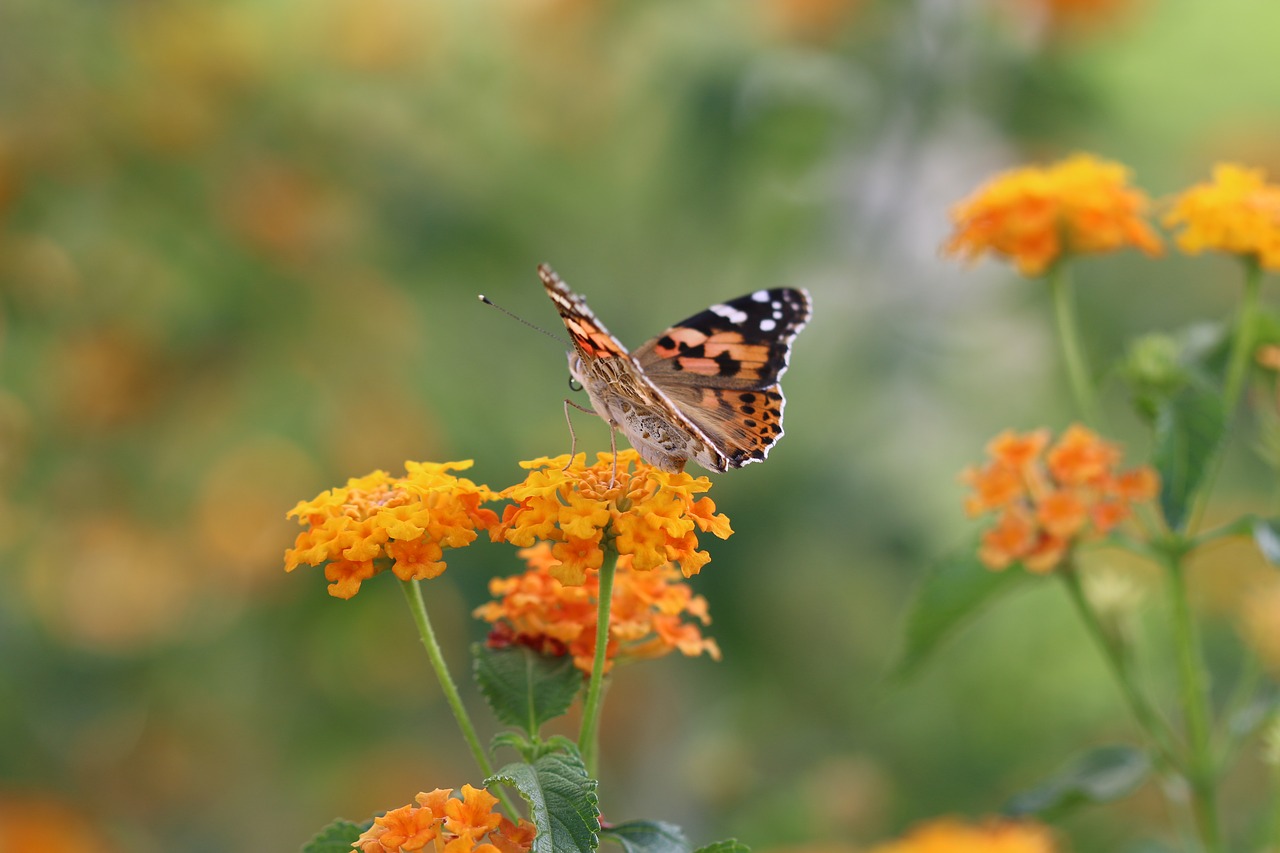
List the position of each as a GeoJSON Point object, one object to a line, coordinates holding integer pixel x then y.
{"type": "Point", "coordinates": [466, 825]}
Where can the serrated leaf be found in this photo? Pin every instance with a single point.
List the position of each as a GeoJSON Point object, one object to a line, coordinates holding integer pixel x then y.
{"type": "Point", "coordinates": [1266, 532]}
{"type": "Point", "coordinates": [729, 845]}
{"type": "Point", "coordinates": [1189, 428]}
{"type": "Point", "coordinates": [1101, 775]}
{"type": "Point", "coordinates": [337, 837]}
{"type": "Point", "coordinates": [525, 689]}
{"type": "Point", "coordinates": [648, 836]}
{"type": "Point", "coordinates": [562, 801]}
{"type": "Point", "coordinates": [952, 590]}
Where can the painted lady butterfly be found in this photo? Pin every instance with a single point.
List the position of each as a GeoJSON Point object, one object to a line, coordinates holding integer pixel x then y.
{"type": "Point", "coordinates": [706, 389]}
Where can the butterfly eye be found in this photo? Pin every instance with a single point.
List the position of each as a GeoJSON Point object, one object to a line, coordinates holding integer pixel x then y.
{"type": "Point", "coordinates": [574, 385]}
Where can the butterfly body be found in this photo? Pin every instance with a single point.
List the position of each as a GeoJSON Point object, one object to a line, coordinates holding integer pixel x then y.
{"type": "Point", "coordinates": [705, 389]}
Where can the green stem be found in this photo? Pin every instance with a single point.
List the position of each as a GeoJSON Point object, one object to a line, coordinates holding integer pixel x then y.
{"type": "Point", "coordinates": [1152, 723]}
{"type": "Point", "coordinates": [1242, 345]}
{"type": "Point", "coordinates": [418, 607]}
{"type": "Point", "coordinates": [1069, 337]}
{"type": "Point", "coordinates": [1202, 769]}
{"type": "Point", "coordinates": [589, 736]}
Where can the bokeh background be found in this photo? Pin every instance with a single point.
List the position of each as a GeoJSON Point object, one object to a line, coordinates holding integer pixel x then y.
{"type": "Point", "coordinates": [240, 244]}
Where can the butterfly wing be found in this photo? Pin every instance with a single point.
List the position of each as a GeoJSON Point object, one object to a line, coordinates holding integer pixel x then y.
{"type": "Point", "coordinates": [721, 368]}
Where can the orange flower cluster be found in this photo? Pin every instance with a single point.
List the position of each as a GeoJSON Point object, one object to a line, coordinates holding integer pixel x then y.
{"type": "Point", "coordinates": [1034, 216]}
{"type": "Point", "coordinates": [647, 612]}
{"type": "Point", "coordinates": [452, 825]}
{"type": "Point", "coordinates": [1238, 212]}
{"type": "Point", "coordinates": [620, 503]}
{"type": "Point", "coordinates": [355, 530]}
{"type": "Point", "coordinates": [1045, 505]}
{"type": "Point", "coordinates": [949, 835]}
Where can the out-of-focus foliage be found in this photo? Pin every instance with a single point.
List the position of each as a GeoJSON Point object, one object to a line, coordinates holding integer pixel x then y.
{"type": "Point", "coordinates": [240, 244]}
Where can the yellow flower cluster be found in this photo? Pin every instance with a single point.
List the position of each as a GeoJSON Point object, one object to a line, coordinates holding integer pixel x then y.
{"type": "Point", "coordinates": [1034, 216]}
{"type": "Point", "coordinates": [378, 520]}
{"type": "Point", "coordinates": [647, 613]}
{"type": "Point", "coordinates": [467, 825]}
{"type": "Point", "coordinates": [1237, 212]}
{"type": "Point", "coordinates": [619, 503]}
{"type": "Point", "coordinates": [949, 835]}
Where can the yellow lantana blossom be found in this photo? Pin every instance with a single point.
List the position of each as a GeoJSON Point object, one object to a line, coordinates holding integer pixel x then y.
{"type": "Point", "coordinates": [950, 835]}
{"type": "Point", "coordinates": [1047, 498]}
{"type": "Point", "coordinates": [1237, 212]}
{"type": "Point", "coordinates": [378, 521]}
{"type": "Point", "coordinates": [467, 825]}
{"type": "Point", "coordinates": [623, 504]}
{"type": "Point", "coordinates": [1035, 215]}
{"type": "Point", "coordinates": [648, 612]}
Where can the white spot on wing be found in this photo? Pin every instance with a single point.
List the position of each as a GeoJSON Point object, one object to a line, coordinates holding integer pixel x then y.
{"type": "Point", "coordinates": [760, 296]}
{"type": "Point", "coordinates": [767, 325]}
{"type": "Point", "coordinates": [733, 315]}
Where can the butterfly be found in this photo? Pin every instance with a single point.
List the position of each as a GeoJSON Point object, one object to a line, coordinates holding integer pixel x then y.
{"type": "Point", "coordinates": [705, 389]}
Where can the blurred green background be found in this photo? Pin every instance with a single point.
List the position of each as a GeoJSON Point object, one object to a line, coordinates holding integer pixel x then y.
{"type": "Point", "coordinates": [240, 244]}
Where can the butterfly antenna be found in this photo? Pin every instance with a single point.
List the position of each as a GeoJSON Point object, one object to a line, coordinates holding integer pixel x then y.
{"type": "Point", "coordinates": [487, 301]}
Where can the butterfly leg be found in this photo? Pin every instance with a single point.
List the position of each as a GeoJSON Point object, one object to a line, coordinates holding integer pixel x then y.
{"type": "Point", "coordinates": [573, 436]}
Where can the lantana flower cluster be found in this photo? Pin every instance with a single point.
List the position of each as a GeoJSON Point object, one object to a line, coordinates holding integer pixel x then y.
{"type": "Point", "coordinates": [950, 835]}
{"type": "Point", "coordinates": [449, 824]}
{"type": "Point", "coordinates": [648, 612]}
{"type": "Point", "coordinates": [619, 503]}
{"type": "Point", "coordinates": [379, 521]}
{"type": "Point", "coordinates": [1034, 215]}
{"type": "Point", "coordinates": [1237, 212]}
{"type": "Point", "coordinates": [1048, 498]}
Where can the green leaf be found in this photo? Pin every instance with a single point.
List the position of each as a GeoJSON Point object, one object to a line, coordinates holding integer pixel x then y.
{"type": "Point", "coordinates": [952, 590]}
{"type": "Point", "coordinates": [562, 801]}
{"type": "Point", "coordinates": [524, 688]}
{"type": "Point", "coordinates": [1099, 776]}
{"type": "Point", "coordinates": [1266, 532]}
{"type": "Point", "coordinates": [337, 837]}
{"type": "Point", "coordinates": [729, 845]}
{"type": "Point", "coordinates": [648, 836]}
{"type": "Point", "coordinates": [1189, 428]}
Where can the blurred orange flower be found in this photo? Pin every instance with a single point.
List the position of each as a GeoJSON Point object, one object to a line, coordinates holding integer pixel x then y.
{"type": "Point", "coordinates": [408, 520]}
{"type": "Point", "coordinates": [455, 825]}
{"type": "Point", "coordinates": [1047, 500]}
{"type": "Point", "coordinates": [647, 612]}
{"type": "Point", "coordinates": [1034, 216]}
{"type": "Point", "coordinates": [949, 835]}
{"type": "Point", "coordinates": [622, 504]}
{"type": "Point", "coordinates": [1237, 212]}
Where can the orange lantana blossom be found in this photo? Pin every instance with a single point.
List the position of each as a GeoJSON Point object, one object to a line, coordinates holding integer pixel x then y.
{"type": "Point", "coordinates": [1046, 498]}
{"type": "Point", "coordinates": [1237, 212]}
{"type": "Point", "coordinates": [1034, 216]}
{"type": "Point", "coordinates": [379, 521]}
{"type": "Point", "coordinates": [950, 835]}
{"type": "Point", "coordinates": [647, 612]}
{"type": "Point", "coordinates": [449, 824]}
{"type": "Point", "coordinates": [620, 503]}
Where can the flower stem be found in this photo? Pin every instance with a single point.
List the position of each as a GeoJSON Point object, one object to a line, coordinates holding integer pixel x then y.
{"type": "Point", "coordinates": [418, 607]}
{"type": "Point", "coordinates": [1069, 338]}
{"type": "Point", "coordinates": [589, 736]}
{"type": "Point", "coordinates": [1202, 769]}
{"type": "Point", "coordinates": [1242, 345]}
{"type": "Point", "coordinates": [1152, 723]}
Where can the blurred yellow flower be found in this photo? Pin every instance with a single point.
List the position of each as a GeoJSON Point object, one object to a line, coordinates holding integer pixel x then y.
{"type": "Point", "coordinates": [408, 520]}
{"type": "Point", "coordinates": [1237, 212]}
{"type": "Point", "coordinates": [1034, 216]}
{"type": "Point", "coordinates": [1260, 624]}
{"type": "Point", "coordinates": [1044, 506]}
{"type": "Point", "coordinates": [949, 835]}
{"type": "Point", "coordinates": [647, 612]}
{"type": "Point", "coordinates": [623, 504]}
{"type": "Point", "coordinates": [455, 825]}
